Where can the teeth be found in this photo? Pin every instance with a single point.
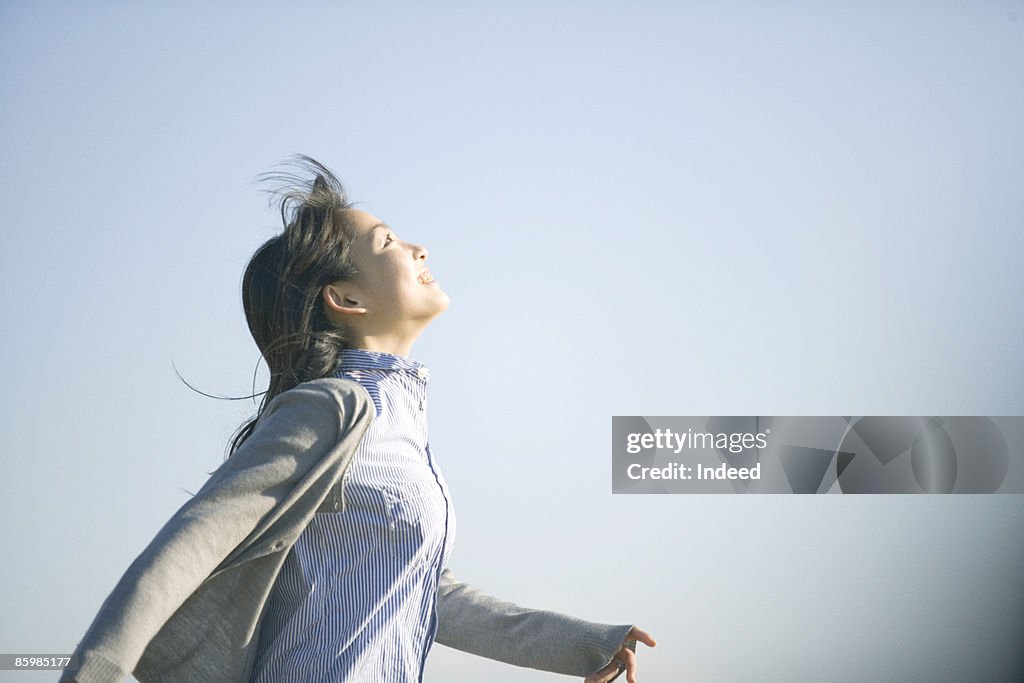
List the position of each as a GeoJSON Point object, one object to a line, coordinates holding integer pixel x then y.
{"type": "Point", "coordinates": [426, 278]}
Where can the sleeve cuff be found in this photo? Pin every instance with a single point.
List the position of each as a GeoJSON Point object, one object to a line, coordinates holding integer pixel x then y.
{"type": "Point", "coordinates": [600, 644]}
{"type": "Point", "coordinates": [94, 668]}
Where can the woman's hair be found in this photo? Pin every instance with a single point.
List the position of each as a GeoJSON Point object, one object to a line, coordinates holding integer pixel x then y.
{"type": "Point", "coordinates": [281, 287]}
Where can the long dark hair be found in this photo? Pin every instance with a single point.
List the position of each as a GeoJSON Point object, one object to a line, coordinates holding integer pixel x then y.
{"type": "Point", "coordinates": [282, 284]}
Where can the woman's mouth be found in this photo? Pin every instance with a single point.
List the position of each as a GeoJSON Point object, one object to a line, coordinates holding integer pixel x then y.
{"type": "Point", "coordinates": [425, 278]}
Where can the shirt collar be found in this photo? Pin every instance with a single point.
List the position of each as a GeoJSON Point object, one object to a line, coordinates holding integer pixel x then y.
{"type": "Point", "coordinates": [363, 359]}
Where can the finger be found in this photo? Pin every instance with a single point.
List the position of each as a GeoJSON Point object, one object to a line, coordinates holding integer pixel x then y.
{"type": "Point", "coordinates": [629, 659]}
{"type": "Point", "coordinates": [641, 635]}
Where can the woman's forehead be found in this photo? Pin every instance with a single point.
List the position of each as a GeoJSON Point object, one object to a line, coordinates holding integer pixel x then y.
{"type": "Point", "coordinates": [361, 222]}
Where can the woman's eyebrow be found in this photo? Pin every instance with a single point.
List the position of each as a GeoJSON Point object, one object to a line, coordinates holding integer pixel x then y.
{"type": "Point", "coordinates": [372, 235]}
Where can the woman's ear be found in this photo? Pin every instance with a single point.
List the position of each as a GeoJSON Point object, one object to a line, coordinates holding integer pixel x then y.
{"type": "Point", "coordinates": [341, 299]}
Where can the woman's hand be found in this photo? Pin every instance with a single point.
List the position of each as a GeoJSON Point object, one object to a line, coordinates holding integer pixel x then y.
{"type": "Point", "coordinates": [623, 660]}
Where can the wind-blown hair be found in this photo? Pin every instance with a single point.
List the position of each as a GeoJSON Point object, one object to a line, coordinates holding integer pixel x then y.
{"type": "Point", "coordinates": [281, 286]}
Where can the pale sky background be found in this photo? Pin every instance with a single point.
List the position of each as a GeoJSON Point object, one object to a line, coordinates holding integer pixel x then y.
{"type": "Point", "coordinates": [782, 208]}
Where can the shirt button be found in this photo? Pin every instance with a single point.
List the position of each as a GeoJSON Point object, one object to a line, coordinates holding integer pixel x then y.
{"type": "Point", "coordinates": [423, 373]}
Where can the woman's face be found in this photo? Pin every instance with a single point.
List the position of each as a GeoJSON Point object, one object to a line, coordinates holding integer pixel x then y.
{"type": "Point", "coordinates": [393, 282]}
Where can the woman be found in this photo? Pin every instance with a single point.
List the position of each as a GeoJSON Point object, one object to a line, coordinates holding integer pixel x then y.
{"type": "Point", "coordinates": [318, 550]}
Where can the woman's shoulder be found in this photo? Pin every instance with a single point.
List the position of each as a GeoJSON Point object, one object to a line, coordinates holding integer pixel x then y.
{"type": "Point", "coordinates": [331, 393]}
{"type": "Point", "coordinates": [333, 385]}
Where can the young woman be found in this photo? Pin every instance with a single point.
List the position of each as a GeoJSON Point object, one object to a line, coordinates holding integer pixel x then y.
{"type": "Point", "coordinates": [318, 551]}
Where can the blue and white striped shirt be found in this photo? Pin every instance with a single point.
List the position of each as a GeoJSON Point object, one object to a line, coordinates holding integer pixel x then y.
{"type": "Point", "coordinates": [356, 598]}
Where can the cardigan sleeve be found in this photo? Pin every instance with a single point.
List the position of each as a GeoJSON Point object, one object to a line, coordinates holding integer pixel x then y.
{"type": "Point", "coordinates": [295, 430]}
{"type": "Point", "coordinates": [475, 622]}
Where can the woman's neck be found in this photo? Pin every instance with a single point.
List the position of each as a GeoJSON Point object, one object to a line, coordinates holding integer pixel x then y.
{"type": "Point", "coordinates": [399, 346]}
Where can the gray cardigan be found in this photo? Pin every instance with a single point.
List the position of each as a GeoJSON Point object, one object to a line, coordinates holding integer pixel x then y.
{"type": "Point", "coordinates": [189, 607]}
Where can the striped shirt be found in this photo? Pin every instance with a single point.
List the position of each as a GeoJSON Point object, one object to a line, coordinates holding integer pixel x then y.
{"type": "Point", "coordinates": [356, 597]}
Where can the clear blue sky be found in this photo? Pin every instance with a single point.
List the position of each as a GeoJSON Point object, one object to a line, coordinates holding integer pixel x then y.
{"type": "Point", "coordinates": [784, 208]}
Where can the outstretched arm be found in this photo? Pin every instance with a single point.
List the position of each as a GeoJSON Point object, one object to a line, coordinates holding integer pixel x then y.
{"type": "Point", "coordinates": [475, 622]}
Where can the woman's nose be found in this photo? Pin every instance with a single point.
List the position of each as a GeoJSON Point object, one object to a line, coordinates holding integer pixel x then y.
{"type": "Point", "coordinates": [420, 252]}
